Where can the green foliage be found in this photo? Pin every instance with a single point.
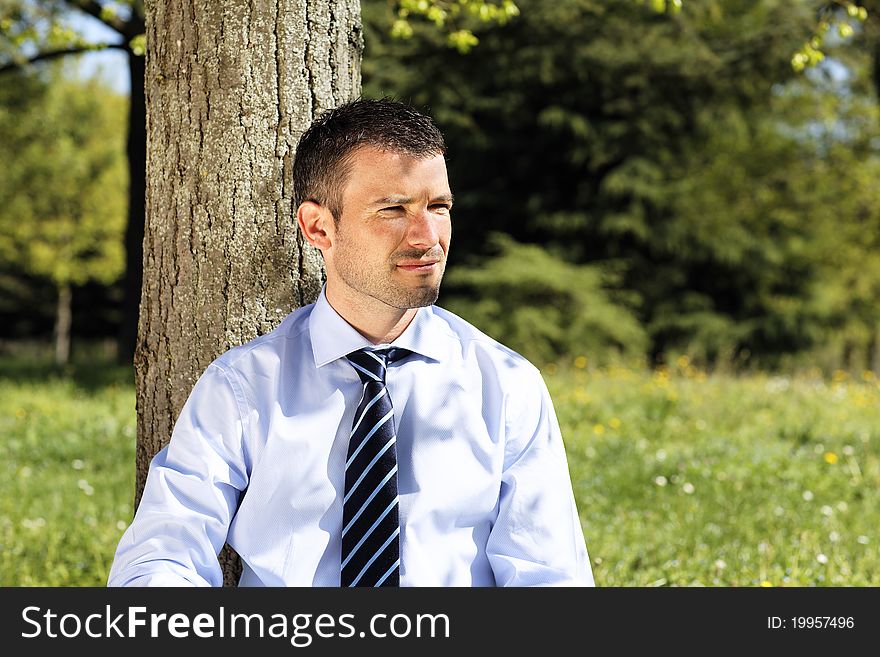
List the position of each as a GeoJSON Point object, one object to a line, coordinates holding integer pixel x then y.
{"type": "Point", "coordinates": [454, 18]}
{"type": "Point", "coordinates": [38, 26]}
{"type": "Point", "coordinates": [782, 204]}
{"type": "Point", "coordinates": [541, 306]}
{"type": "Point", "coordinates": [62, 195]}
{"type": "Point", "coordinates": [680, 145]}
{"type": "Point", "coordinates": [835, 18]}
{"type": "Point", "coordinates": [663, 5]}
{"type": "Point", "coordinates": [138, 45]}
{"type": "Point", "coordinates": [673, 139]}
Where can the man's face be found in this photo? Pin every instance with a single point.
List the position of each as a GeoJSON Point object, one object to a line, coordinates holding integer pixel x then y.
{"type": "Point", "coordinates": [391, 241]}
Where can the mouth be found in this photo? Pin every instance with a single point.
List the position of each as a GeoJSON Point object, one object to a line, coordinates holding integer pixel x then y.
{"type": "Point", "coordinates": [418, 266]}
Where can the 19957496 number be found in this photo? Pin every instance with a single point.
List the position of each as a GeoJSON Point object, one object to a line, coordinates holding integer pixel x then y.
{"type": "Point", "coordinates": [810, 622]}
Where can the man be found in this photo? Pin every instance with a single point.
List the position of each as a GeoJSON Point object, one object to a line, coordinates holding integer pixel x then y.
{"type": "Point", "coordinates": [372, 439]}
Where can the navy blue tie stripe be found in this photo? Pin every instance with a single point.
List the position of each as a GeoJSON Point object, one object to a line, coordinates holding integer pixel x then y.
{"type": "Point", "coordinates": [370, 519]}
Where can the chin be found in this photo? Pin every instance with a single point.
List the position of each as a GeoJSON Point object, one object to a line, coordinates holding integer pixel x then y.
{"type": "Point", "coordinates": [416, 298]}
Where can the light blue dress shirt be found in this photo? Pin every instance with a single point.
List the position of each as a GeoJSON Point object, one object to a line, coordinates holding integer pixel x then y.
{"type": "Point", "coordinates": [257, 459]}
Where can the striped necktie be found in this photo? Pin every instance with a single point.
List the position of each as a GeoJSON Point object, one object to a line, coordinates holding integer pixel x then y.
{"type": "Point", "coordinates": [370, 523]}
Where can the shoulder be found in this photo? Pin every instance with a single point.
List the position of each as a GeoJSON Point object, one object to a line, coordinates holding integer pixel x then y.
{"type": "Point", "coordinates": [474, 345]}
{"type": "Point", "coordinates": [269, 349]}
{"type": "Point", "coordinates": [507, 377]}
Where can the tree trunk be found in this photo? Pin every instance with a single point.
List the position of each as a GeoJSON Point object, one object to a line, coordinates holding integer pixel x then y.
{"type": "Point", "coordinates": [849, 348]}
{"type": "Point", "coordinates": [872, 352]}
{"type": "Point", "coordinates": [136, 148]}
{"type": "Point", "coordinates": [63, 320]}
{"type": "Point", "coordinates": [230, 87]}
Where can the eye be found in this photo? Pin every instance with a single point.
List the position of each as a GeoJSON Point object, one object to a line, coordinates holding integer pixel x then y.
{"type": "Point", "coordinates": [442, 208]}
{"type": "Point", "coordinates": [392, 208]}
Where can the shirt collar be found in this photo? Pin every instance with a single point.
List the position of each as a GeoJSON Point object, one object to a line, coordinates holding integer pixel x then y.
{"type": "Point", "coordinates": [333, 338]}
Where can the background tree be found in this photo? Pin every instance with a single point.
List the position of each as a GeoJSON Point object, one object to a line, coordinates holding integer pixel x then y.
{"type": "Point", "coordinates": [545, 307]}
{"type": "Point", "coordinates": [656, 145]}
{"type": "Point", "coordinates": [39, 30]}
{"type": "Point", "coordinates": [628, 120]}
{"type": "Point", "coordinates": [62, 190]}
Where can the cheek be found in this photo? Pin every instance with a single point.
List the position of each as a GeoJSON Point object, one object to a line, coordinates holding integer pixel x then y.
{"type": "Point", "coordinates": [446, 232]}
{"type": "Point", "coordinates": [368, 248]}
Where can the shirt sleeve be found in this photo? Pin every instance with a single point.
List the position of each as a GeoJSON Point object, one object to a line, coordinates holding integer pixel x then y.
{"type": "Point", "coordinates": [537, 539]}
{"type": "Point", "coordinates": [191, 493]}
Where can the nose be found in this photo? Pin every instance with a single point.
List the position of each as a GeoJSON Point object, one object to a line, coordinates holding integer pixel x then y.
{"type": "Point", "coordinates": [422, 231]}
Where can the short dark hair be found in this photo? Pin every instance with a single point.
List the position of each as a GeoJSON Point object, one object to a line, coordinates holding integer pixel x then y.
{"type": "Point", "coordinates": [322, 162]}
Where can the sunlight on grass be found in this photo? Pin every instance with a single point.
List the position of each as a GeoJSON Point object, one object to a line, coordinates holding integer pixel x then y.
{"type": "Point", "coordinates": [689, 480]}
{"type": "Point", "coordinates": [681, 479]}
{"type": "Point", "coordinates": [67, 483]}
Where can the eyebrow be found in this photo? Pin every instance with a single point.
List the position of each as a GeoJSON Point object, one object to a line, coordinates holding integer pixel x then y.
{"type": "Point", "coordinates": [404, 200]}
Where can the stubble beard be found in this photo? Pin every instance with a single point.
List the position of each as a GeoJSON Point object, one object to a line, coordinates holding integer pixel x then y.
{"type": "Point", "coordinates": [404, 297]}
{"type": "Point", "coordinates": [381, 285]}
{"type": "Point", "coordinates": [418, 297]}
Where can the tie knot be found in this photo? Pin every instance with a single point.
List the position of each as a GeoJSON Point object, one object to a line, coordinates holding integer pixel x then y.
{"type": "Point", "coordinates": [370, 364]}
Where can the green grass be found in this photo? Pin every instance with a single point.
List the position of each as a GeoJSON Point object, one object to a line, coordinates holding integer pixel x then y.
{"type": "Point", "coordinates": [681, 479]}
{"type": "Point", "coordinates": [66, 476]}
{"type": "Point", "coordinates": [687, 480]}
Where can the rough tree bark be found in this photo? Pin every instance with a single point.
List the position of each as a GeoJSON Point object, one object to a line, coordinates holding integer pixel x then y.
{"type": "Point", "coordinates": [230, 87]}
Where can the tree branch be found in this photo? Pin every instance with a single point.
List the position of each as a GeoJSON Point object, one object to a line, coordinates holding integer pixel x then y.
{"type": "Point", "coordinates": [94, 9]}
{"type": "Point", "coordinates": [54, 54]}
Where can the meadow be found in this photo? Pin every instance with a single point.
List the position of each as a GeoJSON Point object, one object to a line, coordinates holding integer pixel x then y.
{"type": "Point", "coordinates": [682, 478]}
{"type": "Point", "coordinates": [685, 479]}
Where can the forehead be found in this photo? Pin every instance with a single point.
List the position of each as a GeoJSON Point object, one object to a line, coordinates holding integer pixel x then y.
{"type": "Point", "coordinates": [386, 173]}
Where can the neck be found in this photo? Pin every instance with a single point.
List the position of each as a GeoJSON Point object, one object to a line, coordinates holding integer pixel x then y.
{"type": "Point", "coordinates": [377, 322]}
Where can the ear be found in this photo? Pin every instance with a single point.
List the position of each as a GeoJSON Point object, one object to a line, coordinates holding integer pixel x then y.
{"type": "Point", "coordinates": [316, 223]}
